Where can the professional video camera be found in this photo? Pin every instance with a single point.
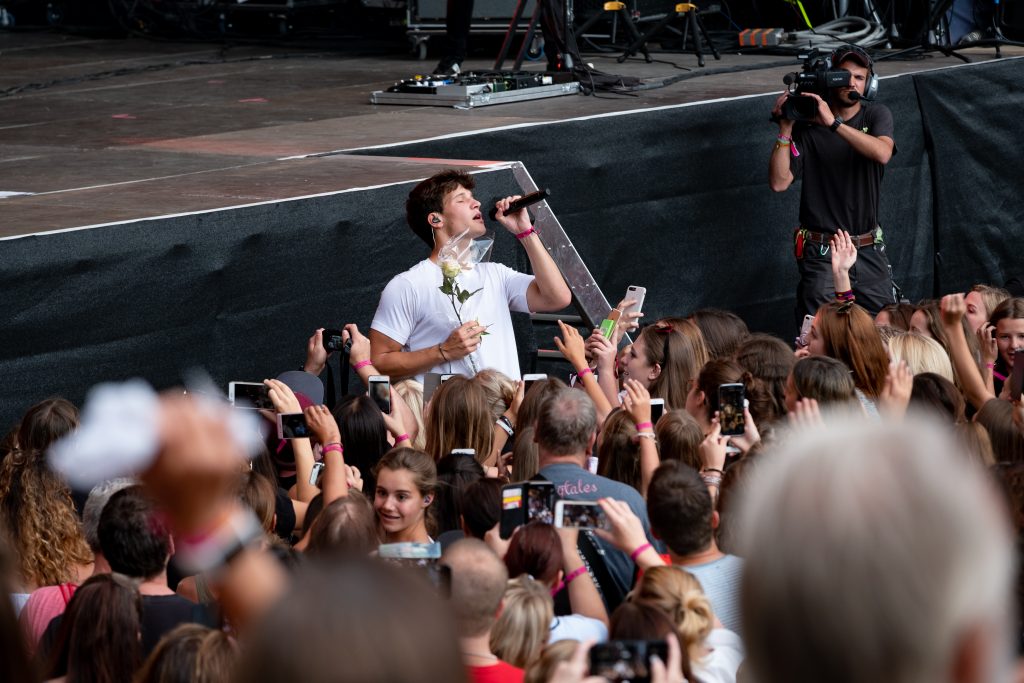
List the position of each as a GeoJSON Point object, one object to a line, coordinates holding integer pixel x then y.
{"type": "Point", "coordinates": [817, 77]}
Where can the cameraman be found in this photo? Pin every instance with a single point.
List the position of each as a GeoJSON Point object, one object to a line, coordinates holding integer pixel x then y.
{"type": "Point", "coordinates": [841, 156]}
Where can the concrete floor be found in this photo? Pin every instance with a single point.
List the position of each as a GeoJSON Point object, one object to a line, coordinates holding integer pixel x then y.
{"type": "Point", "coordinates": [100, 130]}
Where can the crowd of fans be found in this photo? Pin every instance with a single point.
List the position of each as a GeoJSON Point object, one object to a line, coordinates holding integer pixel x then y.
{"type": "Point", "coordinates": [865, 526]}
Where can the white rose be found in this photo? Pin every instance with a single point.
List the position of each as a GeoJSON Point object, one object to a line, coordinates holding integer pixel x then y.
{"type": "Point", "coordinates": [450, 268]}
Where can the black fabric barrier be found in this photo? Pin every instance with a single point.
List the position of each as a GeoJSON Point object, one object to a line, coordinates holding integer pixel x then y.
{"type": "Point", "coordinates": [676, 199]}
{"type": "Point", "coordinates": [237, 292]}
{"type": "Point", "coordinates": [972, 118]}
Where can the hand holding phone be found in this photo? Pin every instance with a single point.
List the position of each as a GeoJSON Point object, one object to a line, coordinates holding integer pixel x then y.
{"type": "Point", "coordinates": [626, 661]}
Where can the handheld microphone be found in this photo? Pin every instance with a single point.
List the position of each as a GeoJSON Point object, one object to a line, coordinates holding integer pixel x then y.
{"type": "Point", "coordinates": [523, 202]}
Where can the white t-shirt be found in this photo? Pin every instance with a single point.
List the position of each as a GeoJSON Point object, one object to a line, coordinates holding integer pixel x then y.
{"type": "Point", "coordinates": [414, 313]}
{"type": "Point", "coordinates": [721, 664]}
{"type": "Point", "coordinates": [577, 627]}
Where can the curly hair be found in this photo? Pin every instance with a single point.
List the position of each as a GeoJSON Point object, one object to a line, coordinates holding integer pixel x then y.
{"type": "Point", "coordinates": [39, 516]}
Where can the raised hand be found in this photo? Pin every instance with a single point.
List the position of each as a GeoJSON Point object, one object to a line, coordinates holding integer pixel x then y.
{"type": "Point", "coordinates": [713, 448]}
{"type": "Point", "coordinates": [571, 346]}
{"type": "Point", "coordinates": [637, 401]}
{"type": "Point", "coordinates": [953, 308]}
{"type": "Point", "coordinates": [360, 344]}
{"type": "Point", "coordinates": [316, 354]}
{"type": "Point", "coordinates": [323, 424]}
{"type": "Point", "coordinates": [899, 384]}
{"type": "Point", "coordinates": [844, 252]}
{"type": "Point", "coordinates": [282, 396]}
{"type": "Point", "coordinates": [516, 222]}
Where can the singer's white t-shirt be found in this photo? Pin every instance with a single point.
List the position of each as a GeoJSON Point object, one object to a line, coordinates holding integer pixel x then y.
{"type": "Point", "coordinates": [414, 313]}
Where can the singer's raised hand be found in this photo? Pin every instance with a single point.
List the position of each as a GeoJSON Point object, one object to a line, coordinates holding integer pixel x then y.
{"type": "Point", "coordinates": [515, 222]}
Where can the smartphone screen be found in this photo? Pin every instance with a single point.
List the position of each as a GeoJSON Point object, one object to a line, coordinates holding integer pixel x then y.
{"type": "Point", "coordinates": [250, 395]}
{"type": "Point", "coordinates": [657, 409]}
{"type": "Point", "coordinates": [314, 474]}
{"type": "Point", "coordinates": [730, 409]}
{"type": "Point", "coordinates": [431, 381]}
{"type": "Point", "coordinates": [580, 515]}
{"type": "Point", "coordinates": [471, 452]}
{"type": "Point", "coordinates": [626, 660]}
{"type": "Point", "coordinates": [292, 426]}
{"type": "Point", "coordinates": [1017, 376]}
{"type": "Point", "coordinates": [380, 392]}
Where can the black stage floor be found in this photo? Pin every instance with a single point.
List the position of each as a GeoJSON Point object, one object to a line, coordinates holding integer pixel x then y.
{"type": "Point", "coordinates": [100, 130]}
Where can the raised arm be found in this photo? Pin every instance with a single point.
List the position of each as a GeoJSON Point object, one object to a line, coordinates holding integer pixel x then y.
{"type": "Point", "coordinates": [638, 404]}
{"type": "Point", "coordinates": [780, 175]}
{"type": "Point", "coordinates": [572, 347]}
{"type": "Point", "coordinates": [953, 308]}
{"type": "Point", "coordinates": [844, 256]}
{"type": "Point", "coordinates": [583, 595]}
{"type": "Point", "coordinates": [285, 402]}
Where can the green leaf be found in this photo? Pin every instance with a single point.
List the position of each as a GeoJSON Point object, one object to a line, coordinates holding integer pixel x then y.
{"type": "Point", "coordinates": [446, 288]}
{"type": "Point", "coordinates": [463, 295]}
{"type": "Point", "coordinates": [475, 291]}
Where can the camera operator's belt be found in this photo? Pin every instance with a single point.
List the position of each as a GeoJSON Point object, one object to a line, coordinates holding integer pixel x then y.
{"type": "Point", "coordinates": [864, 240]}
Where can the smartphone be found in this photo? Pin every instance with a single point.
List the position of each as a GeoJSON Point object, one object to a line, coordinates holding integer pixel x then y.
{"type": "Point", "coordinates": [314, 475]}
{"type": "Point", "coordinates": [525, 502]}
{"type": "Point", "coordinates": [580, 514]}
{"type": "Point", "coordinates": [380, 392]}
{"type": "Point", "coordinates": [637, 294]}
{"type": "Point", "coordinates": [292, 426]}
{"type": "Point", "coordinates": [333, 340]}
{"type": "Point", "coordinates": [447, 376]}
{"type": "Point", "coordinates": [431, 381]}
{"type": "Point", "coordinates": [622, 661]}
{"type": "Point", "coordinates": [471, 452]}
{"type": "Point", "coordinates": [1017, 376]}
{"type": "Point", "coordinates": [250, 395]}
{"type": "Point", "coordinates": [528, 380]}
{"type": "Point", "coordinates": [805, 329]}
{"type": "Point", "coordinates": [657, 409]}
{"type": "Point", "coordinates": [730, 409]}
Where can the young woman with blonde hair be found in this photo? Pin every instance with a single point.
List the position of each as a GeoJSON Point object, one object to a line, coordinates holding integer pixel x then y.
{"type": "Point", "coordinates": [715, 653]}
{"type": "Point", "coordinates": [519, 635]}
{"type": "Point", "coordinates": [458, 417]}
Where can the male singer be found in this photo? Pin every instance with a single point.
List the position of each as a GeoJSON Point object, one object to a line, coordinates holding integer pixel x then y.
{"type": "Point", "coordinates": [416, 328]}
{"type": "Point", "coordinates": [841, 157]}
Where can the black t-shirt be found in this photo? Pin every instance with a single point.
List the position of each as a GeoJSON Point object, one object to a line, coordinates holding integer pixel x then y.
{"type": "Point", "coordinates": [840, 186]}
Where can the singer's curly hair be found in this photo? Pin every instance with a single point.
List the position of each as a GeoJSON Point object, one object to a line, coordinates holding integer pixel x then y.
{"type": "Point", "coordinates": [428, 197]}
{"type": "Point", "coordinates": [38, 517]}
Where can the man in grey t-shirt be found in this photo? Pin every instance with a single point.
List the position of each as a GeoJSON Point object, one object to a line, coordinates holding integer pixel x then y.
{"type": "Point", "coordinates": [565, 434]}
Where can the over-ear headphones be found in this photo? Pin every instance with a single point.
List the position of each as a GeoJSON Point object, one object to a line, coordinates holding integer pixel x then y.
{"type": "Point", "coordinates": [860, 55]}
{"type": "Point", "coordinates": [435, 220]}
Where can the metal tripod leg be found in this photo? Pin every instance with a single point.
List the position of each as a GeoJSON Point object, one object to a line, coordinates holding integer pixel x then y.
{"type": "Point", "coordinates": [530, 30]}
{"type": "Point", "coordinates": [640, 41]}
{"type": "Point", "coordinates": [510, 34]}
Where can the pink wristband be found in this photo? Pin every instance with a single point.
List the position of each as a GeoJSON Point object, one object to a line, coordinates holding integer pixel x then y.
{"type": "Point", "coordinates": [644, 425]}
{"type": "Point", "coordinates": [402, 437]}
{"type": "Point", "coordinates": [567, 580]}
{"type": "Point", "coordinates": [990, 366]}
{"type": "Point", "coordinates": [362, 364]}
{"type": "Point", "coordinates": [526, 233]}
{"type": "Point", "coordinates": [584, 371]}
{"type": "Point", "coordinates": [636, 553]}
{"type": "Point", "coordinates": [332, 447]}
